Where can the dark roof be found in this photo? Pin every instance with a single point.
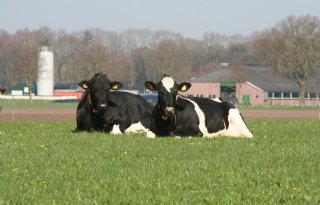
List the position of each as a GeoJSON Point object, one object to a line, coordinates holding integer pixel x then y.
{"type": "Point", "coordinates": [263, 77]}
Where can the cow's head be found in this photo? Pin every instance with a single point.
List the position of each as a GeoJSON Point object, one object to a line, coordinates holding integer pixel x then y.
{"type": "Point", "coordinates": [98, 88]}
{"type": "Point", "coordinates": [167, 93]}
{"type": "Point", "coordinates": [2, 90]}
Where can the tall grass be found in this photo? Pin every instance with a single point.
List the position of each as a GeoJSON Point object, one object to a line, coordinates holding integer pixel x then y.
{"type": "Point", "coordinates": [46, 163]}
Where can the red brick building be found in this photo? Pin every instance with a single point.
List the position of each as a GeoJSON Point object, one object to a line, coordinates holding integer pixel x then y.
{"type": "Point", "coordinates": [254, 85]}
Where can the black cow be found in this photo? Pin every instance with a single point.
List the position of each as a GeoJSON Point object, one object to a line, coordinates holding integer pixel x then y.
{"type": "Point", "coordinates": [101, 109]}
{"type": "Point", "coordinates": [2, 90]}
{"type": "Point", "coordinates": [175, 115]}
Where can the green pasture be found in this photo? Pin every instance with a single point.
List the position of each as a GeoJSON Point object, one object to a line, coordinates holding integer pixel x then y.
{"type": "Point", "coordinates": [46, 163]}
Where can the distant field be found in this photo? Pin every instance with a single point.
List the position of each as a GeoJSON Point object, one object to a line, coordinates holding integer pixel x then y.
{"type": "Point", "coordinates": [276, 107]}
{"type": "Point", "coordinates": [22, 110]}
{"type": "Point", "coordinates": [37, 104]}
{"type": "Point", "coordinates": [71, 104]}
{"type": "Point", "coordinates": [46, 163]}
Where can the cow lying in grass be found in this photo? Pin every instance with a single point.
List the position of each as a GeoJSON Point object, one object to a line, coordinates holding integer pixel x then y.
{"type": "Point", "coordinates": [101, 109]}
{"type": "Point", "coordinates": [175, 115]}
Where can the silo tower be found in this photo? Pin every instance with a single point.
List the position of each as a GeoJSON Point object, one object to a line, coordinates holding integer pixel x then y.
{"type": "Point", "coordinates": [45, 72]}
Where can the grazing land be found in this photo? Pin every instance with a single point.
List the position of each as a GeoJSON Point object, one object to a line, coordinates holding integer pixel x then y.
{"type": "Point", "coordinates": [45, 162]}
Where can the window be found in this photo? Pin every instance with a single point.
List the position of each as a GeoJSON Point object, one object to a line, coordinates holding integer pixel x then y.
{"type": "Point", "coordinates": [277, 94]}
{"type": "Point", "coordinates": [256, 96]}
{"type": "Point", "coordinates": [295, 95]}
{"type": "Point", "coordinates": [270, 94]}
{"type": "Point", "coordinates": [313, 95]}
{"type": "Point", "coordinates": [286, 95]}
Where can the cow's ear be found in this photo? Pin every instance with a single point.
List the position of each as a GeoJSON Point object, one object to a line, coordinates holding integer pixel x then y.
{"type": "Point", "coordinates": [183, 87]}
{"type": "Point", "coordinates": [115, 85]}
{"type": "Point", "coordinates": [150, 85]}
{"type": "Point", "coordinates": [84, 84]}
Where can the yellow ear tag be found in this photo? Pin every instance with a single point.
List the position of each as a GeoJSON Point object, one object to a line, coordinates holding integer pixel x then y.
{"type": "Point", "coordinates": [85, 86]}
{"type": "Point", "coordinates": [184, 88]}
{"type": "Point", "coordinates": [114, 87]}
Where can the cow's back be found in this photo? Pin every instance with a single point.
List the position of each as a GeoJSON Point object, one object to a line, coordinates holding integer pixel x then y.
{"type": "Point", "coordinates": [216, 113]}
{"type": "Point", "coordinates": [134, 106]}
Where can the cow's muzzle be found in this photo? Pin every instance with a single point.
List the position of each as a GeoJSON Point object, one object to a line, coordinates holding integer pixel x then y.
{"type": "Point", "coordinates": [169, 111]}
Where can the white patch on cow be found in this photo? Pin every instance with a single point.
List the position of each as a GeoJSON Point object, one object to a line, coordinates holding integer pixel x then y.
{"type": "Point", "coordinates": [237, 127]}
{"type": "Point", "coordinates": [168, 83]}
{"type": "Point", "coordinates": [216, 100]}
{"type": "Point", "coordinates": [150, 134]}
{"type": "Point", "coordinates": [116, 130]}
{"type": "Point", "coordinates": [136, 127]}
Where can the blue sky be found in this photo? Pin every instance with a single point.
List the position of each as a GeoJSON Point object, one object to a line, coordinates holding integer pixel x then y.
{"type": "Point", "coordinates": [192, 18]}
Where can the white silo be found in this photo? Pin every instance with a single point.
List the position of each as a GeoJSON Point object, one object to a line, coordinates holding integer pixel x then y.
{"type": "Point", "coordinates": [45, 72]}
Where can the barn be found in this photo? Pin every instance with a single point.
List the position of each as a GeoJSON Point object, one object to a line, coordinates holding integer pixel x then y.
{"type": "Point", "coordinates": [255, 85]}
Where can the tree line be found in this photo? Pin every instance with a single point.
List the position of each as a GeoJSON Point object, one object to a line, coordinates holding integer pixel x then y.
{"type": "Point", "coordinates": [133, 56]}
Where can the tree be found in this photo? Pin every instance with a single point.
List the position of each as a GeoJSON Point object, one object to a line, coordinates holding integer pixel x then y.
{"type": "Point", "coordinates": [138, 58]}
{"type": "Point", "coordinates": [5, 51]}
{"type": "Point", "coordinates": [64, 46]}
{"type": "Point", "coordinates": [27, 64]}
{"type": "Point", "coordinates": [294, 48]}
{"type": "Point", "coordinates": [237, 53]}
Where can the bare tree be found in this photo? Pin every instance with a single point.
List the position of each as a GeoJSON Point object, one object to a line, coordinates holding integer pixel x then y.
{"type": "Point", "coordinates": [64, 46]}
{"type": "Point", "coordinates": [5, 54]}
{"type": "Point", "coordinates": [27, 64]}
{"type": "Point", "coordinates": [294, 48]}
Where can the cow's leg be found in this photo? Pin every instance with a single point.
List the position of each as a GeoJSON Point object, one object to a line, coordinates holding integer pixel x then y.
{"type": "Point", "coordinates": [136, 127]}
{"type": "Point", "coordinates": [116, 130]}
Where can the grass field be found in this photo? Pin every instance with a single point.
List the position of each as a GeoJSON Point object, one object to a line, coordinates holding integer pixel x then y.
{"type": "Point", "coordinates": [46, 163]}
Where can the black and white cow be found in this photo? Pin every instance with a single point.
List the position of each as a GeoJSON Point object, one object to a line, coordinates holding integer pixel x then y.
{"type": "Point", "coordinates": [175, 115]}
{"type": "Point", "coordinates": [101, 109]}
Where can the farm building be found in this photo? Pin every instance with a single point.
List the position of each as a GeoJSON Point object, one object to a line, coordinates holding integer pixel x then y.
{"type": "Point", "coordinates": [20, 89]}
{"type": "Point", "coordinates": [68, 89]}
{"type": "Point", "coordinates": [60, 90]}
{"type": "Point", "coordinates": [255, 85]}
